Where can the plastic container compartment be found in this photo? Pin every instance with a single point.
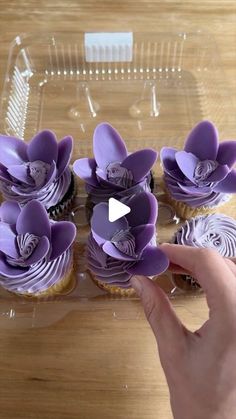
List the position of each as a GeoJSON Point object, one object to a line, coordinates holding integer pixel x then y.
{"type": "Point", "coordinates": [152, 92]}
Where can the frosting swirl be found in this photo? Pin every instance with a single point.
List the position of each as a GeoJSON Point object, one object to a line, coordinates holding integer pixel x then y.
{"type": "Point", "coordinates": [210, 199]}
{"type": "Point", "coordinates": [40, 276]}
{"type": "Point", "coordinates": [203, 170]}
{"type": "Point", "coordinates": [49, 196]}
{"type": "Point", "coordinates": [215, 231]}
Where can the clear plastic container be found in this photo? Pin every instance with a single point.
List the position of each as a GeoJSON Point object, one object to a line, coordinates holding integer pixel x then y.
{"type": "Point", "coordinates": [153, 98]}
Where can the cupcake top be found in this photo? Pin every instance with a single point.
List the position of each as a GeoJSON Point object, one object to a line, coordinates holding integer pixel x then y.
{"type": "Point", "coordinates": [215, 231]}
{"type": "Point", "coordinates": [38, 170]}
{"type": "Point", "coordinates": [117, 250]}
{"type": "Point", "coordinates": [113, 171]}
{"type": "Point", "coordinates": [202, 173]}
{"type": "Point", "coordinates": [35, 252]}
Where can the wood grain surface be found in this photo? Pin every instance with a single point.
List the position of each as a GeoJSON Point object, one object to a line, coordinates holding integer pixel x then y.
{"type": "Point", "coordinates": [100, 360]}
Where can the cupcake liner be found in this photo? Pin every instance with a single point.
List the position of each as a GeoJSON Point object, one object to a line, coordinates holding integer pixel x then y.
{"type": "Point", "coordinates": [113, 289]}
{"type": "Point", "coordinates": [58, 210]}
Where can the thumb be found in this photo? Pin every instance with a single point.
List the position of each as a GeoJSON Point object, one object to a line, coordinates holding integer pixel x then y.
{"type": "Point", "coordinates": [168, 329]}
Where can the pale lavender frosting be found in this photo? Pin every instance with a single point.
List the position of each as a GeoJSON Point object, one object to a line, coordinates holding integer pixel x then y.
{"type": "Point", "coordinates": [48, 196]}
{"type": "Point", "coordinates": [210, 199]}
{"type": "Point", "coordinates": [215, 231]}
{"type": "Point", "coordinates": [40, 276]}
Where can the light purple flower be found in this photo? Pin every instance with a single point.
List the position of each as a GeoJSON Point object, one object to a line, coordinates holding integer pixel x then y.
{"type": "Point", "coordinates": [117, 250]}
{"type": "Point", "coordinates": [27, 237]}
{"type": "Point", "coordinates": [112, 168]}
{"type": "Point", "coordinates": [28, 169]}
{"type": "Point", "coordinates": [205, 165]}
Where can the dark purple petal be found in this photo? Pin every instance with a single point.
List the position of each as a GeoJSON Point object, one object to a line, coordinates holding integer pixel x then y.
{"type": "Point", "coordinates": [12, 150]}
{"type": "Point", "coordinates": [187, 163]}
{"type": "Point", "coordinates": [140, 163]}
{"type": "Point", "coordinates": [34, 219]}
{"type": "Point", "coordinates": [20, 172]}
{"type": "Point", "coordinates": [4, 175]}
{"type": "Point", "coordinates": [143, 235]}
{"type": "Point", "coordinates": [9, 212]}
{"type": "Point", "coordinates": [108, 146]}
{"type": "Point", "coordinates": [8, 244]}
{"type": "Point", "coordinates": [195, 190]}
{"type": "Point", "coordinates": [112, 251]}
{"type": "Point", "coordinates": [219, 174]}
{"type": "Point", "coordinates": [43, 147]}
{"type": "Point", "coordinates": [227, 185]}
{"type": "Point", "coordinates": [143, 209]}
{"type": "Point", "coordinates": [86, 170]}
{"type": "Point", "coordinates": [167, 156]}
{"type": "Point", "coordinates": [39, 253]}
{"type": "Point", "coordinates": [203, 141]}
{"type": "Point", "coordinates": [8, 270]}
{"type": "Point", "coordinates": [227, 153]}
{"type": "Point", "coordinates": [153, 262]}
{"type": "Point", "coordinates": [65, 147]}
{"type": "Point", "coordinates": [62, 236]}
{"type": "Point", "coordinates": [101, 225]}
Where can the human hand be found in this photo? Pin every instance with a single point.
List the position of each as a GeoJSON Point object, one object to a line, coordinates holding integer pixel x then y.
{"type": "Point", "coordinates": [200, 366]}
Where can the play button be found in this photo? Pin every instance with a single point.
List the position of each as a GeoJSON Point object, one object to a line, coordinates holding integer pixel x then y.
{"type": "Point", "coordinates": [116, 210]}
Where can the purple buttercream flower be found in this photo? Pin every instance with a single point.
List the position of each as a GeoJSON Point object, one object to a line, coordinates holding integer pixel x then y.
{"type": "Point", "coordinates": [112, 169]}
{"type": "Point", "coordinates": [117, 250]}
{"type": "Point", "coordinates": [205, 165]}
{"type": "Point", "coordinates": [28, 171]}
{"type": "Point", "coordinates": [28, 237]}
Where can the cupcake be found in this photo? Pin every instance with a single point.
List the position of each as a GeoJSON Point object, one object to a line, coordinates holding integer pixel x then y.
{"type": "Point", "coordinates": [117, 250]}
{"type": "Point", "coordinates": [38, 170]}
{"type": "Point", "coordinates": [201, 178]}
{"type": "Point", "coordinates": [214, 231]}
{"type": "Point", "coordinates": [36, 257]}
{"type": "Point", "coordinates": [113, 172]}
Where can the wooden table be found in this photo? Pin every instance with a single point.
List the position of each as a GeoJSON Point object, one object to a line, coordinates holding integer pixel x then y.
{"type": "Point", "coordinates": [100, 362]}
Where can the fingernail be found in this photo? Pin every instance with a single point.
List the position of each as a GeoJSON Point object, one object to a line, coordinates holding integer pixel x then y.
{"type": "Point", "coordinates": [136, 283]}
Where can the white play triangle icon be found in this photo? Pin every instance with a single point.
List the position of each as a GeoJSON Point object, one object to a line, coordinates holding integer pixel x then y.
{"type": "Point", "coordinates": [116, 210]}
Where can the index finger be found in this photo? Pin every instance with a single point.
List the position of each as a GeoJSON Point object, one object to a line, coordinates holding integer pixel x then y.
{"type": "Point", "coordinates": [210, 270]}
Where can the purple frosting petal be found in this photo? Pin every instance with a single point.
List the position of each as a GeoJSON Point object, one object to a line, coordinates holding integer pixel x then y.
{"type": "Point", "coordinates": [143, 235]}
{"type": "Point", "coordinates": [12, 150]}
{"type": "Point", "coordinates": [9, 212]}
{"type": "Point", "coordinates": [108, 146]}
{"type": "Point", "coordinates": [187, 163]}
{"type": "Point", "coordinates": [8, 270]}
{"type": "Point", "coordinates": [227, 185]}
{"type": "Point", "coordinates": [203, 141]}
{"type": "Point", "coordinates": [20, 172]}
{"type": "Point", "coordinates": [43, 147]}
{"type": "Point", "coordinates": [34, 219]}
{"type": "Point", "coordinates": [140, 163]}
{"type": "Point", "coordinates": [86, 169]}
{"type": "Point", "coordinates": [8, 244]}
{"type": "Point", "coordinates": [4, 175]}
{"type": "Point", "coordinates": [227, 153]}
{"type": "Point", "coordinates": [39, 253]}
{"type": "Point", "coordinates": [146, 213]}
{"type": "Point", "coordinates": [219, 174]}
{"type": "Point", "coordinates": [112, 251]}
{"type": "Point", "coordinates": [153, 262]}
{"type": "Point", "coordinates": [65, 147]}
{"type": "Point", "coordinates": [62, 236]}
{"type": "Point", "coordinates": [167, 156]}
{"type": "Point", "coordinates": [101, 225]}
